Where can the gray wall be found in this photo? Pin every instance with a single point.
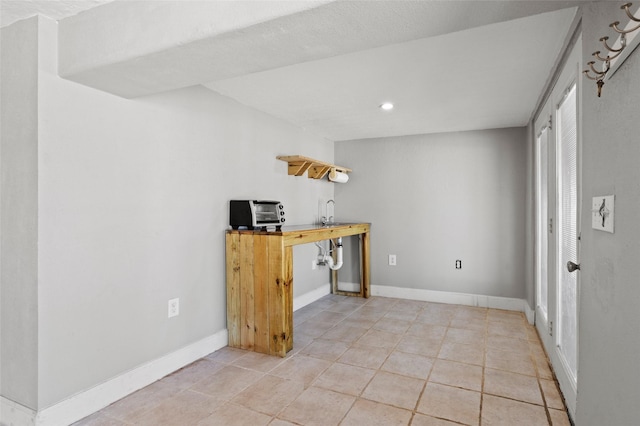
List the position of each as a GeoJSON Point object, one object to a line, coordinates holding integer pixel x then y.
{"type": "Point", "coordinates": [305, 278]}
{"type": "Point", "coordinates": [609, 327]}
{"type": "Point", "coordinates": [132, 209]}
{"type": "Point", "coordinates": [18, 209]}
{"type": "Point", "coordinates": [436, 198]}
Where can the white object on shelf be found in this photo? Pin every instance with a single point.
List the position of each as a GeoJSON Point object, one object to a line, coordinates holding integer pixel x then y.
{"type": "Point", "coordinates": [338, 177]}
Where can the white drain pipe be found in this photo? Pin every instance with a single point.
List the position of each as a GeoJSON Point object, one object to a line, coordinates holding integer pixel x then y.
{"type": "Point", "coordinates": [325, 259]}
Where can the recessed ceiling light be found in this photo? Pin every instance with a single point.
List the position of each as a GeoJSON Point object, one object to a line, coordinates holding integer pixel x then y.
{"type": "Point", "coordinates": [387, 106]}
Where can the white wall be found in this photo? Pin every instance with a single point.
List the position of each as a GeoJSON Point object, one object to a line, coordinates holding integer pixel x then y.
{"type": "Point", "coordinates": [18, 205]}
{"type": "Point", "coordinates": [436, 198]}
{"type": "Point", "coordinates": [130, 190]}
{"type": "Point", "coordinates": [609, 323]}
{"type": "Point", "coordinates": [132, 208]}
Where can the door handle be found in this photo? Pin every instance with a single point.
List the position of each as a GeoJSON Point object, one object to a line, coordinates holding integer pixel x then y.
{"type": "Point", "coordinates": [571, 267]}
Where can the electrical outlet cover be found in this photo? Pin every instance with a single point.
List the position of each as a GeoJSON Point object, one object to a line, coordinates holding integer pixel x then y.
{"type": "Point", "coordinates": [174, 308]}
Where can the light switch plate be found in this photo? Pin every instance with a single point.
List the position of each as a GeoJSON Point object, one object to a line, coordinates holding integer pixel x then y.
{"type": "Point", "coordinates": [603, 213]}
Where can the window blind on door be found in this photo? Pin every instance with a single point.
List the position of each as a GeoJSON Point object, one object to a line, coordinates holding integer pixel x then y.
{"type": "Point", "coordinates": [568, 221]}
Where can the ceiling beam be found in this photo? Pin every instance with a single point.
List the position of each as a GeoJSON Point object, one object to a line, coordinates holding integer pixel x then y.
{"type": "Point", "coordinates": [136, 48]}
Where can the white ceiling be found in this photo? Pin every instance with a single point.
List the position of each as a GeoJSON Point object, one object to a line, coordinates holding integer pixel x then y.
{"type": "Point", "coordinates": [447, 65]}
{"type": "Point", "coordinates": [16, 10]}
{"type": "Point", "coordinates": [482, 78]}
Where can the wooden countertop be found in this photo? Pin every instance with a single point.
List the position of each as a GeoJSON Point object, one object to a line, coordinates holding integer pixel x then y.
{"type": "Point", "coordinates": [302, 234]}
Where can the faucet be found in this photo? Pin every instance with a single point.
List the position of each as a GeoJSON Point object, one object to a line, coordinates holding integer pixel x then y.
{"type": "Point", "coordinates": [328, 220]}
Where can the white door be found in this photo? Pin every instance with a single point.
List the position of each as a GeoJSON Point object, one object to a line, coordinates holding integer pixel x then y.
{"type": "Point", "coordinates": [558, 225]}
{"type": "Point", "coordinates": [568, 233]}
{"type": "Point", "coordinates": [545, 212]}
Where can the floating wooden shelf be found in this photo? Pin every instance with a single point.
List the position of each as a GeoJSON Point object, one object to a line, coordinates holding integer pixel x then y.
{"type": "Point", "coordinates": [315, 169]}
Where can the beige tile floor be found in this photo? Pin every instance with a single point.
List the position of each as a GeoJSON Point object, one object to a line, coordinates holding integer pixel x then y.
{"type": "Point", "coordinates": [376, 361]}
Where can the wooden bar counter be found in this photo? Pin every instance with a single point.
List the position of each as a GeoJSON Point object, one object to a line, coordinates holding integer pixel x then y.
{"type": "Point", "coordinates": [260, 282]}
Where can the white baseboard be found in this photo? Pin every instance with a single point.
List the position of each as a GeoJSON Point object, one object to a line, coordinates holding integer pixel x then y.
{"type": "Point", "coordinates": [310, 297]}
{"type": "Point", "coordinates": [14, 414]}
{"type": "Point", "coordinates": [506, 303]}
{"type": "Point", "coordinates": [495, 302]}
{"type": "Point", "coordinates": [529, 313]}
{"type": "Point", "coordinates": [88, 402]}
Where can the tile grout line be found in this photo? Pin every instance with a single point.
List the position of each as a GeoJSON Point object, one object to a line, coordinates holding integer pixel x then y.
{"type": "Point", "coordinates": [379, 369]}
{"type": "Point", "coordinates": [386, 308]}
{"type": "Point", "coordinates": [485, 336]}
{"type": "Point", "coordinates": [544, 398]}
{"type": "Point", "coordinates": [415, 410]}
{"type": "Point", "coordinates": [484, 365]}
{"type": "Point", "coordinates": [311, 384]}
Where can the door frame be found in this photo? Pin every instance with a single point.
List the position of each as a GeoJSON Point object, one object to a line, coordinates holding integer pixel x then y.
{"type": "Point", "coordinates": [544, 122]}
{"type": "Point", "coordinates": [569, 75]}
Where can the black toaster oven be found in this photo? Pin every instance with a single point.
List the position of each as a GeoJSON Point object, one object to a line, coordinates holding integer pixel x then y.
{"type": "Point", "coordinates": [256, 214]}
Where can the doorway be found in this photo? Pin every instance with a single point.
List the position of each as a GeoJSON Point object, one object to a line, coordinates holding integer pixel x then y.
{"type": "Point", "coordinates": [557, 164]}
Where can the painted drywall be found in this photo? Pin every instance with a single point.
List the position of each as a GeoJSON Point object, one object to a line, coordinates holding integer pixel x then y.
{"type": "Point", "coordinates": [132, 208]}
{"type": "Point", "coordinates": [18, 205]}
{"type": "Point", "coordinates": [433, 199]}
{"type": "Point", "coordinates": [349, 275]}
{"type": "Point", "coordinates": [609, 328]}
{"type": "Point", "coordinates": [305, 278]}
{"type": "Point", "coordinates": [133, 212]}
